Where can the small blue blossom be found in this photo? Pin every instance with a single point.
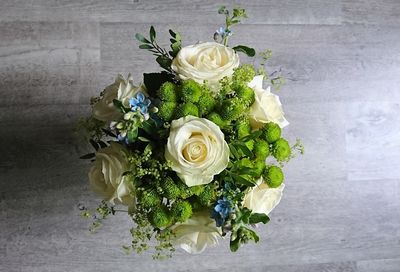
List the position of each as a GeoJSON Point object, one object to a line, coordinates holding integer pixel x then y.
{"type": "Point", "coordinates": [123, 138]}
{"type": "Point", "coordinates": [221, 33]}
{"type": "Point", "coordinates": [140, 103]}
{"type": "Point", "coordinates": [221, 211]}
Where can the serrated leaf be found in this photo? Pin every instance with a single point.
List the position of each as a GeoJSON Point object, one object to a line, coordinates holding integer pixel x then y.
{"type": "Point", "coordinates": [152, 34]}
{"type": "Point", "coordinates": [244, 49]}
{"type": "Point", "coordinates": [258, 218]}
{"type": "Point", "coordinates": [141, 38]}
{"type": "Point", "coordinates": [87, 156]}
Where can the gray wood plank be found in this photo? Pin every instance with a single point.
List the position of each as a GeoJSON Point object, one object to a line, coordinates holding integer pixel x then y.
{"type": "Point", "coordinates": [162, 11]}
{"type": "Point", "coordinates": [386, 265]}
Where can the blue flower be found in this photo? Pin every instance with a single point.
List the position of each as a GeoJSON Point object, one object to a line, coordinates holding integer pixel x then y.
{"type": "Point", "coordinates": [140, 103]}
{"type": "Point", "coordinates": [221, 211]}
{"type": "Point", "coordinates": [122, 137]}
{"type": "Point", "coordinates": [222, 33]}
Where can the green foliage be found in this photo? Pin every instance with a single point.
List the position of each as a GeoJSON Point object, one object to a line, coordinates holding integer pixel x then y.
{"type": "Point", "coordinates": [259, 166]}
{"type": "Point", "coordinates": [281, 150]}
{"type": "Point", "coordinates": [271, 132]}
{"type": "Point", "coordinates": [166, 110]}
{"type": "Point", "coordinates": [245, 93]}
{"type": "Point", "coordinates": [231, 18]}
{"type": "Point", "coordinates": [176, 43]}
{"type": "Point", "coordinates": [245, 49]}
{"type": "Point", "coordinates": [186, 109]}
{"type": "Point", "coordinates": [243, 128]}
{"type": "Point", "coordinates": [208, 196]}
{"type": "Point", "coordinates": [232, 109]}
{"type": "Point", "coordinates": [243, 74]}
{"type": "Point", "coordinates": [181, 210]}
{"type": "Point", "coordinates": [191, 91]}
{"type": "Point", "coordinates": [168, 92]}
{"type": "Point", "coordinates": [153, 81]}
{"type": "Point", "coordinates": [273, 176]}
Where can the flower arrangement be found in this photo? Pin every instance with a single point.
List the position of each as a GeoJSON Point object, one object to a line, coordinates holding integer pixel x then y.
{"type": "Point", "coordinates": [196, 152]}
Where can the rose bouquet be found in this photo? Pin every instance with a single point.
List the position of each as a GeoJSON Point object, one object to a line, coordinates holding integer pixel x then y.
{"type": "Point", "coordinates": [195, 152]}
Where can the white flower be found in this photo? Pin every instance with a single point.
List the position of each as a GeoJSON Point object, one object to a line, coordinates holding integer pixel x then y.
{"type": "Point", "coordinates": [122, 89]}
{"type": "Point", "coordinates": [263, 199]}
{"type": "Point", "coordinates": [197, 150]}
{"type": "Point", "coordinates": [205, 61]}
{"type": "Point", "coordinates": [267, 106]}
{"type": "Point", "coordinates": [106, 175]}
{"type": "Point", "coordinates": [196, 233]}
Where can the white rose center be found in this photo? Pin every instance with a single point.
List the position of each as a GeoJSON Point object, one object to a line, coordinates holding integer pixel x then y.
{"type": "Point", "coordinates": [195, 150]}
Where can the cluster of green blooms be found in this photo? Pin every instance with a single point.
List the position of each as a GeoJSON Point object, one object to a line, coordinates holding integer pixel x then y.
{"type": "Point", "coordinates": [189, 98]}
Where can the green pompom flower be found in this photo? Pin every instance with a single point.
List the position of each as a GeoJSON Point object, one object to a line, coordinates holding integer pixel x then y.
{"type": "Point", "coordinates": [166, 110]}
{"type": "Point", "coordinates": [259, 166]}
{"type": "Point", "coordinates": [207, 197]}
{"type": "Point", "coordinates": [186, 109]}
{"type": "Point", "coordinates": [232, 109]}
{"type": "Point", "coordinates": [185, 191]}
{"type": "Point", "coordinates": [168, 92]}
{"type": "Point", "coordinates": [181, 210]}
{"type": "Point", "coordinates": [245, 93]}
{"type": "Point", "coordinates": [160, 218]}
{"type": "Point", "coordinates": [150, 198]}
{"type": "Point", "coordinates": [170, 189]}
{"type": "Point", "coordinates": [206, 104]}
{"type": "Point", "coordinates": [273, 176]}
{"type": "Point", "coordinates": [216, 119]}
{"type": "Point", "coordinates": [271, 132]}
{"type": "Point", "coordinates": [196, 190]}
{"type": "Point", "coordinates": [261, 149]}
{"type": "Point", "coordinates": [191, 91]}
{"type": "Point", "coordinates": [281, 150]}
{"type": "Point", "coordinates": [243, 128]}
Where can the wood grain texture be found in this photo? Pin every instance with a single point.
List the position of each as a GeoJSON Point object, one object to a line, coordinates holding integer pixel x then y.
{"type": "Point", "coordinates": [341, 207]}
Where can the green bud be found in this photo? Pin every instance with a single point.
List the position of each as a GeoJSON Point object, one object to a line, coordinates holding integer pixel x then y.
{"type": "Point", "coordinates": [186, 109]}
{"type": "Point", "coordinates": [181, 210]}
{"type": "Point", "coordinates": [206, 104]}
{"type": "Point", "coordinates": [168, 92]}
{"type": "Point", "coordinates": [261, 149]}
{"type": "Point", "coordinates": [281, 150]}
{"type": "Point", "coordinates": [273, 176]}
{"type": "Point", "coordinates": [160, 218]}
{"type": "Point", "coordinates": [271, 132]}
{"type": "Point", "coordinates": [191, 91]}
{"type": "Point", "coordinates": [150, 198]}
{"type": "Point", "coordinates": [166, 110]}
{"type": "Point", "coordinates": [216, 119]}
{"type": "Point", "coordinates": [170, 189]}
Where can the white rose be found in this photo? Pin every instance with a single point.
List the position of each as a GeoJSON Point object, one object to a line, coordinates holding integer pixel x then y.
{"type": "Point", "coordinates": [197, 150]}
{"type": "Point", "coordinates": [263, 199]}
{"type": "Point", "coordinates": [196, 233]}
{"type": "Point", "coordinates": [106, 175]}
{"type": "Point", "coordinates": [205, 61]}
{"type": "Point", "coordinates": [267, 106]}
{"type": "Point", "coordinates": [122, 89]}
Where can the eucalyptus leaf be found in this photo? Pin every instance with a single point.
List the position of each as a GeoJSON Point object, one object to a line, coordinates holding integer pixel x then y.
{"type": "Point", "coordinates": [145, 46]}
{"type": "Point", "coordinates": [152, 34]}
{"type": "Point", "coordinates": [141, 38]}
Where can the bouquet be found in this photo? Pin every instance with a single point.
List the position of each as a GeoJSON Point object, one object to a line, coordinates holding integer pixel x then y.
{"type": "Point", "coordinates": [195, 152]}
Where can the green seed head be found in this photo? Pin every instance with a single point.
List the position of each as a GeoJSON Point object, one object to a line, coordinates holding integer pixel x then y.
{"type": "Point", "coordinates": [244, 73]}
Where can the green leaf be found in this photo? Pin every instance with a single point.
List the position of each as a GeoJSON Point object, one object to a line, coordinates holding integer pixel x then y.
{"type": "Point", "coordinates": [258, 218]}
{"type": "Point", "coordinates": [244, 49]}
{"type": "Point", "coordinates": [164, 62]}
{"type": "Point", "coordinates": [248, 171]}
{"type": "Point", "coordinates": [234, 151]}
{"type": "Point", "coordinates": [118, 104]}
{"type": "Point", "coordinates": [241, 180]}
{"type": "Point", "coordinates": [152, 34]}
{"type": "Point", "coordinates": [145, 46]}
{"type": "Point", "coordinates": [94, 144]}
{"type": "Point", "coordinates": [244, 149]}
{"type": "Point", "coordinates": [141, 38]}
{"type": "Point", "coordinates": [252, 136]}
{"type": "Point", "coordinates": [234, 245]}
{"type": "Point", "coordinates": [153, 81]}
{"type": "Point", "coordinates": [143, 139]}
{"type": "Point", "coordinates": [172, 33]}
{"type": "Point", "coordinates": [132, 135]}
{"type": "Point", "coordinates": [87, 156]}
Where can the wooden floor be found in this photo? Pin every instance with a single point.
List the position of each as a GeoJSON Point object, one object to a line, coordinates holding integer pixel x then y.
{"type": "Point", "coordinates": [341, 208]}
